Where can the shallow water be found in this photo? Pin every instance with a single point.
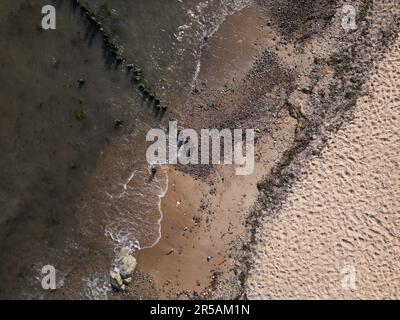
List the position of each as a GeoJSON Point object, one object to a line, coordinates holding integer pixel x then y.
{"type": "Point", "coordinates": [166, 37]}
{"type": "Point", "coordinates": [72, 192]}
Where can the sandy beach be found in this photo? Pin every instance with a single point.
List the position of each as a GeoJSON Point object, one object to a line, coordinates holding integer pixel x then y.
{"type": "Point", "coordinates": [261, 257]}
{"type": "Point", "coordinates": [202, 229]}
{"type": "Point", "coordinates": [317, 219]}
{"type": "Point", "coordinates": [203, 226]}
{"type": "Point", "coordinates": [343, 213]}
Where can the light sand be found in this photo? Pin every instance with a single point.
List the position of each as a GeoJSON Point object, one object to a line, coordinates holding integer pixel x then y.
{"type": "Point", "coordinates": [344, 211]}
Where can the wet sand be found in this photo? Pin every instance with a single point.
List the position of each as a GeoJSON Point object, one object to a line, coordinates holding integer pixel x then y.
{"type": "Point", "coordinates": [202, 226]}
{"type": "Point", "coordinates": [204, 217]}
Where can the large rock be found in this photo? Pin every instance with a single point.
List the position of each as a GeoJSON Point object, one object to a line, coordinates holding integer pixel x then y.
{"type": "Point", "coordinates": [123, 269]}
{"type": "Point", "coordinates": [125, 263]}
{"type": "Point", "coordinates": [300, 103]}
{"type": "Point", "coordinates": [116, 281]}
{"type": "Point", "coordinates": [127, 266]}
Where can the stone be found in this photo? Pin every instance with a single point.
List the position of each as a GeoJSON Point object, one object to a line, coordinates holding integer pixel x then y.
{"type": "Point", "coordinates": [127, 266]}
{"type": "Point", "coordinates": [116, 280]}
{"type": "Point", "coordinates": [125, 263]}
{"type": "Point", "coordinates": [127, 280]}
{"type": "Point", "coordinates": [300, 102]}
{"type": "Point", "coordinates": [117, 123]}
{"type": "Point", "coordinates": [123, 253]}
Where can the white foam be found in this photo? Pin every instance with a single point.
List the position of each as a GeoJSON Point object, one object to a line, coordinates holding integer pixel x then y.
{"type": "Point", "coordinates": [226, 9]}
{"type": "Point", "coordinates": [96, 289]}
{"type": "Point", "coordinates": [160, 197]}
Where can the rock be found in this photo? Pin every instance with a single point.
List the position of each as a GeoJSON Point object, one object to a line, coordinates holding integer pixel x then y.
{"type": "Point", "coordinates": [125, 263]}
{"type": "Point", "coordinates": [300, 104]}
{"type": "Point", "coordinates": [196, 219]}
{"type": "Point", "coordinates": [117, 123]}
{"type": "Point", "coordinates": [127, 267]}
{"type": "Point", "coordinates": [116, 280]}
{"type": "Point", "coordinates": [123, 253]}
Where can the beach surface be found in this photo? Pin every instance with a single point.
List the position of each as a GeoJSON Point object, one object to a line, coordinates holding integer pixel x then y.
{"type": "Point", "coordinates": [337, 217]}
{"type": "Point", "coordinates": [317, 218]}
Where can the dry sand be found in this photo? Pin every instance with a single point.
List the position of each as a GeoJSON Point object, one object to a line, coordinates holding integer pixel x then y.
{"type": "Point", "coordinates": [344, 212]}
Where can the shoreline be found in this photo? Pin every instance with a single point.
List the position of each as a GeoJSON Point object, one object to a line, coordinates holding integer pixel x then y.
{"type": "Point", "coordinates": [186, 261]}
{"type": "Point", "coordinates": [199, 266]}
{"type": "Point", "coordinates": [243, 5]}
{"type": "Point", "coordinates": [160, 199]}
